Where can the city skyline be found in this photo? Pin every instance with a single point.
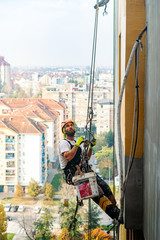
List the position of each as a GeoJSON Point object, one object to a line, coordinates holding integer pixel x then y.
{"type": "Point", "coordinates": [54, 33]}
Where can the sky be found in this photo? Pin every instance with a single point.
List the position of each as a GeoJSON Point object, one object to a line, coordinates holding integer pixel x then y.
{"type": "Point", "coordinates": [54, 33]}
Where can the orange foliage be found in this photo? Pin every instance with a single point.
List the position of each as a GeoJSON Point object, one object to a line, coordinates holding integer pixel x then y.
{"type": "Point", "coordinates": [98, 234]}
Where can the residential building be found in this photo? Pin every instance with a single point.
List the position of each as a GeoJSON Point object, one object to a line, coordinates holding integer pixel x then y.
{"type": "Point", "coordinates": [47, 111]}
{"type": "Point", "coordinates": [77, 101]}
{"type": "Point", "coordinates": [4, 72]}
{"type": "Point", "coordinates": [104, 116]}
{"type": "Point", "coordinates": [23, 151]}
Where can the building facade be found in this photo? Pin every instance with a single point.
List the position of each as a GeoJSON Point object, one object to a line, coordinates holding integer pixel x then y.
{"type": "Point", "coordinates": [141, 202]}
{"type": "Point", "coordinates": [5, 77]}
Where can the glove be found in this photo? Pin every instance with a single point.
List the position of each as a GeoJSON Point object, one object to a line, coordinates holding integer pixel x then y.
{"type": "Point", "coordinates": [92, 143]}
{"type": "Point", "coordinates": [79, 141]}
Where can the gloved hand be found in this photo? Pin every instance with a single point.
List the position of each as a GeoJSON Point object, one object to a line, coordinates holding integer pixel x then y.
{"type": "Point", "coordinates": [92, 143]}
{"type": "Point", "coordinates": [79, 141]}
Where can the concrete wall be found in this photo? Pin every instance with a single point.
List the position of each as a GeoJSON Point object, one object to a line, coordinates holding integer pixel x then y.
{"type": "Point", "coordinates": [152, 123]}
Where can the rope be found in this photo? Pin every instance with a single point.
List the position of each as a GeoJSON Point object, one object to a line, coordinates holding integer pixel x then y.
{"type": "Point", "coordinates": [92, 76]}
{"type": "Point", "coordinates": [73, 223]}
{"type": "Point", "coordinates": [122, 186]}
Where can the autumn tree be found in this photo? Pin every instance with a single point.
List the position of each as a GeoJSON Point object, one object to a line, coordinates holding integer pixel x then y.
{"type": "Point", "coordinates": [65, 235]}
{"type": "Point", "coordinates": [33, 188]}
{"type": "Point", "coordinates": [19, 191]}
{"type": "Point", "coordinates": [48, 191]}
{"type": "Point", "coordinates": [3, 223]}
{"type": "Point", "coordinates": [98, 234]}
{"type": "Point", "coordinates": [43, 227]}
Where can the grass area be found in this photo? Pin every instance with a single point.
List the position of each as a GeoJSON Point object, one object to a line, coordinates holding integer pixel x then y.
{"type": "Point", "coordinates": [10, 236]}
{"type": "Point", "coordinates": [19, 201]}
{"type": "Point", "coordinates": [56, 182]}
{"type": "Point", "coordinates": [53, 202]}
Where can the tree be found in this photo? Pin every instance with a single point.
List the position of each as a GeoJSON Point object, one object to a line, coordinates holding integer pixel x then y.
{"type": "Point", "coordinates": [33, 188]}
{"type": "Point", "coordinates": [43, 227]}
{"type": "Point", "coordinates": [95, 213]}
{"type": "Point", "coordinates": [19, 191]}
{"type": "Point", "coordinates": [64, 235]}
{"type": "Point", "coordinates": [105, 160]}
{"type": "Point", "coordinates": [49, 191]}
{"type": "Point", "coordinates": [98, 234]}
{"type": "Point", "coordinates": [109, 138]}
{"type": "Point", "coordinates": [3, 223]}
{"type": "Point", "coordinates": [67, 217]}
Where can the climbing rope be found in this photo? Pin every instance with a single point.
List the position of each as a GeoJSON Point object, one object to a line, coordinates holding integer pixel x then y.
{"type": "Point", "coordinates": [135, 52]}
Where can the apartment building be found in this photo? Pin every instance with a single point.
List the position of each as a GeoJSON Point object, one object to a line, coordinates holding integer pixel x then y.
{"type": "Point", "coordinates": [22, 152]}
{"type": "Point", "coordinates": [5, 77]}
{"type": "Point", "coordinates": [77, 102]}
{"type": "Point", "coordinates": [104, 116]}
{"type": "Point", "coordinates": [35, 147]}
{"type": "Point", "coordinates": [47, 111]}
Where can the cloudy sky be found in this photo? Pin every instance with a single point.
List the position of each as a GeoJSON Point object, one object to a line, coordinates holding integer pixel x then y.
{"type": "Point", "coordinates": [54, 33]}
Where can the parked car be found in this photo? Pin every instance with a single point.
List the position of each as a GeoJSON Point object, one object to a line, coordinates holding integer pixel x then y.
{"type": "Point", "coordinates": [7, 207]}
{"type": "Point", "coordinates": [21, 208]}
{"type": "Point", "coordinates": [37, 209]}
{"type": "Point", "coordinates": [14, 208]}
{"type": "Point", "coordinates": [9, 218]}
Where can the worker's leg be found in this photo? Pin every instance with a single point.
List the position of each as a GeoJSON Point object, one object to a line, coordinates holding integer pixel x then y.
{"type": "Point", "coordinates": [106, 189]}
{"type": "Point", "coordinates": [105, 204]}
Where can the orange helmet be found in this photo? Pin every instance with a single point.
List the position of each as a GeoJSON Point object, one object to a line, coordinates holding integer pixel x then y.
{"type": "Point", "coordinates": [63, 124]}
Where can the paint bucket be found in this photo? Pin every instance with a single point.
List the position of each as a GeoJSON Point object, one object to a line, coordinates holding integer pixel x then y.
{"type": "Point", "coordinates": [86, 185]}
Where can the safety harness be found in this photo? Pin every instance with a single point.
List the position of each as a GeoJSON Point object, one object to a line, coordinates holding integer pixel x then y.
{"type": "Point", "coordinates": [71, 167]}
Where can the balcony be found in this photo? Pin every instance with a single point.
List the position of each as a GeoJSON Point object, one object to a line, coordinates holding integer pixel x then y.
{"type": "Point", "coordinates": [10, 156]}
{"type": "Point", "coordinates": [10, 182]}
{"type": "Point", "coordinates": [10, 140]}
{"type": "Point", "coordinates": [10, 173]}
{"type": "Point", "coordinates": [11, 149]}
{"type": "Point", "coordinates": [10, 166]}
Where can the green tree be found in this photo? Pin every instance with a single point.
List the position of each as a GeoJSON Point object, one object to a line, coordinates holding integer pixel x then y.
{"type": "Point", "coordinates": [67, 217]}
{"type": "Point", "coordinates": [33, 188]}
{"type": "Point", "coordinates": [105, 160]}
{"type": "Point", "coordinates": [49, 191]}
{"type": "Point", "coordinates": [19, 191]}
{"type": "Point", "coordinates": [95, 216]}
{"type": "Point", "coordinates": [3, 223]}
{"type": "Point", "coordinates": [109, 138]}
{"type": "Point", "coordinates": [43, 227]}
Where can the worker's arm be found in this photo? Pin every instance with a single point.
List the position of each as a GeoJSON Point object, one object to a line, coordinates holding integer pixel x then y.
{"type": "Point", "coordinates": [92, 144]}
{"type": "Point", "coordinates": [89, 153]}
{"type": "Point", "coordinates": [69, 155]}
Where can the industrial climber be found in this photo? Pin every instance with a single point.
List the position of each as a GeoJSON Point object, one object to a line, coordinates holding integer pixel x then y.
{"type": "Point", "coordinates": [70, 152]}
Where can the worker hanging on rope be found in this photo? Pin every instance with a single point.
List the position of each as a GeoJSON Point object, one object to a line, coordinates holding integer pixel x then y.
{"type": "Point", "coordinates": [70, 152]}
